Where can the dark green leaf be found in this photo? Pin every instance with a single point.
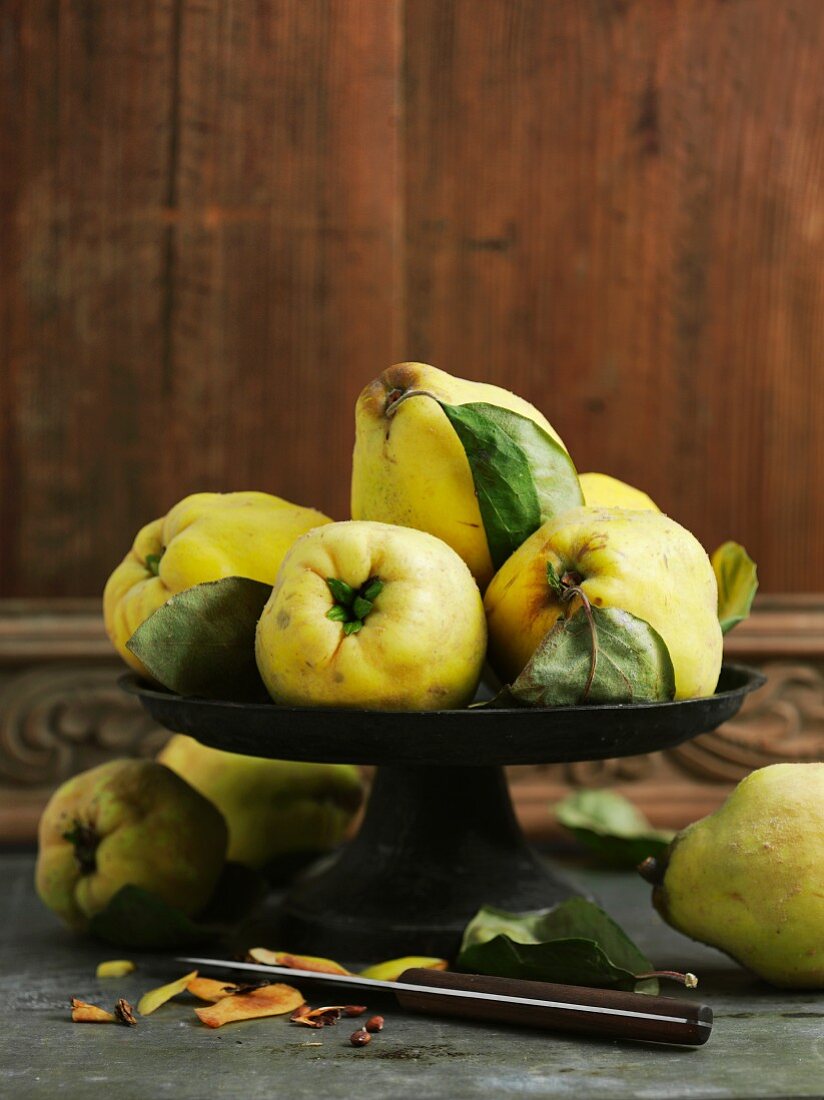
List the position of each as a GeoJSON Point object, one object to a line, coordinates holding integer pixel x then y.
{"type": "Point", "coordinates": [506, 493]}
{"type": "Point", "coordinates": [503, 700]}
{"type": "Point", "coordinates": [342, 592]}
{"type": "Point", "coordinates": [573, 943]}
{"type": "Point", "coordinates": [553, 472]}
{"type": "Point", "coordinates": [633, 663]}
{"type": "Point", "coordinates": [612, 827]}
{"type": "Point", "coordinates": [522, 475]}
{"type": "Point", "coordinates": [737, 579]}
{"type": "Point", "coordinates": [137, 918]}
{"type": "Point", "coordinates": [373, 589]}
{"type": "Point", "coordinates": [361, 607]}
{"type": "Point", "coordinates": [202, 641]}
{"type": "Point", "coordinates": [337, 613]}
{"type": "Point", "coordinates": [352, 627]}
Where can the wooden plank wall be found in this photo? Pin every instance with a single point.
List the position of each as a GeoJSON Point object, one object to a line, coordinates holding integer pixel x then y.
{"type": "Point", "coordinates": [220, 218]}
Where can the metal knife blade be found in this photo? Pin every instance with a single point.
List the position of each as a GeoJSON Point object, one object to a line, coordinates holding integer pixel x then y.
{"type": "Point", "coordinates": [608, 1012]}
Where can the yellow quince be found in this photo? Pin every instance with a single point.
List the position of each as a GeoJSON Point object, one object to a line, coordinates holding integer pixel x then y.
{"type": "Point", "coordinates": [204, 537]}
{"type": "Point", "coordinates": [370, 615]}
{"type": "Point", "coordinates": [603, 491]}
{"type": "Point", "coordinates": [275, 809]}
{"type": "Point", "coordinates": [642, 562]}
{"type": "Point", "coordinates": [127, 822]}
{"type": "Point", "coordinates": [409, 466]}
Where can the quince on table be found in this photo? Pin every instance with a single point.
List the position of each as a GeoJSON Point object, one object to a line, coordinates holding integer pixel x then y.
{"type": "Point", "coordinates": [749, 879]}
{"type": "Point", "coordinates": [274, 808]}
{"type": "Point", "coordinates": [203, 538]}
{"type": "Point", "coordinates": [127, 823]}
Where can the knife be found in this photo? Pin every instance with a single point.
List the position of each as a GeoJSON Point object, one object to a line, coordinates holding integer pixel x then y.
{"type": "Point", "coordinates": [605, 1013]}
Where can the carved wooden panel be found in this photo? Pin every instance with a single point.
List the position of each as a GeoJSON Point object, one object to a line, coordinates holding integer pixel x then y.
{"type": "Point", "coordinates": [61, 712]}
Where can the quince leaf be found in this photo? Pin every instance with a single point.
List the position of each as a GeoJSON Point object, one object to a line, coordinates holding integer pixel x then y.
{"type": "Point", "coordinates": [202, 641]}
{"type": "Point", "coordinates": [611, 827]}
{"type": "Point", "coordinates": [737, 579]}
{"type": "Point", "coordinates": [574, 943]}
{"type": "Point", "coordinates": [522, 475]}
{"type": "Point", "coordinates": [632, 664]}
{"type": "Point", "coordinates": [135, 917]}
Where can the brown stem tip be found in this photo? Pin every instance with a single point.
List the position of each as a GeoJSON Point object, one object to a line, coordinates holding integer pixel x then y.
{"type": "Point", "coordinates": [689, 981]}
{"type": "Point", "coordinates": [652, 870]}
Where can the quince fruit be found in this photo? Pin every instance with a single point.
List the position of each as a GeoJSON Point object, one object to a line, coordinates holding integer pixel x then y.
{"type": "Point", "coordinates": [409, 466]}
{"type": "Point", "coordinates": [371, 615]}
{"type": "Point", "coordinates": [276, 810]}
{"type": "Point", "coordinates": [205, 537]}
{"type": "Point", "coordinates": [127, 822]}
{"type": "Point", "coordinates": [748, 878]}
{"type": "Point", "coordinates": [642, 562]}
{"type": "Point", "coordinates": [603, 491]}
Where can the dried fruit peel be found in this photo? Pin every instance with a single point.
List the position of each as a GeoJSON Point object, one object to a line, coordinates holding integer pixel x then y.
{"type": "Point", "coordinates": [152, 1000]}
{"type": "Point", "coordinates": [296, 962]}
{"type": "Point", "coordinates": [269, 1000]}
{"type": "Point", "coordinates": [85, 1013]}
{"type": "Point", "coordinates": [115, 968]}
{"type": "Point", "coordinates": [210, 989]}
{"type": "Point", "coordinates": [392, 969]}
{"type": "Point", "coordinates": [318, 1017]}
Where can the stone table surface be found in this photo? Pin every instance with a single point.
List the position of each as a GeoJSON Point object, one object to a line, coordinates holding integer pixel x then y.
{"type": "Point", "coordinates": [765, 1042]}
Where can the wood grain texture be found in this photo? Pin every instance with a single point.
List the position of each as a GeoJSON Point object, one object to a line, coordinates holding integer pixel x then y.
{"type": "Point", "coordinates": [84, 145]}
{"type": "Point", "coordinates": [617, 209]}
{"type": "Point", "coordinates": [284, 268]}
{"type": "Point", "coordinates": [200, 263]}
{"type": "Point", "coordinates": [220, 218]}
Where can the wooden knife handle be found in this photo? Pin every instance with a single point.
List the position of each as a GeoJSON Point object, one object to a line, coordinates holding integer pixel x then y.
{"type": "Point", "coordinates": [601, 1012]}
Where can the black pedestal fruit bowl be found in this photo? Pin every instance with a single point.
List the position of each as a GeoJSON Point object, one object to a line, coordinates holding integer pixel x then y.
{"type": "Point", "coordinates": [439, 837]}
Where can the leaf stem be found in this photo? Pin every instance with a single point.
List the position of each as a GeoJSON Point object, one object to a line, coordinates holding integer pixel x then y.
{"type": "Point", "coordinates": [688, 980]}
{"type": "Point", "coordinates": [393, 406]}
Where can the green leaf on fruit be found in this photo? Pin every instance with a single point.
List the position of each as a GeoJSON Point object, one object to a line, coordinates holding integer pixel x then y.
{"type": "Point", "coordinates": [615, 830]}
{"type": "Point", "coordinates": [361, 607]}
{"type": "Point", "coordinates": [135, 917]}
{"type": "Point", "coordinates": [202, 641]}
{"type": "Point", "coordinates": [737, 578]}
{"type": "Point", "coordinates": [373, 589]}
{"type": "Point", "coordinates": [632, 665]}
{"type": "Point", "coordinates": [522, 475]}
{"type": "Point", "coordinates": [342, 592]}
{"type": "Point", "coordinates": [574, 943]}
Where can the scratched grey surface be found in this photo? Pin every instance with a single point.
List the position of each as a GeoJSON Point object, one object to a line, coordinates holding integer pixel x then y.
{"type": "Point", "coordinates": [766, 1043]}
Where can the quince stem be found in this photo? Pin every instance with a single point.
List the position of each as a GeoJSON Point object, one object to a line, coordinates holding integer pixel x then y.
{"type": "Point", "coordinates": [394, 403]}
{"type": "Point", "coordinates": [352, 605]}
{"type": "Point", "coordinates": [85, 841]}
{"type": "Point", "coordinates": [653, 870]}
